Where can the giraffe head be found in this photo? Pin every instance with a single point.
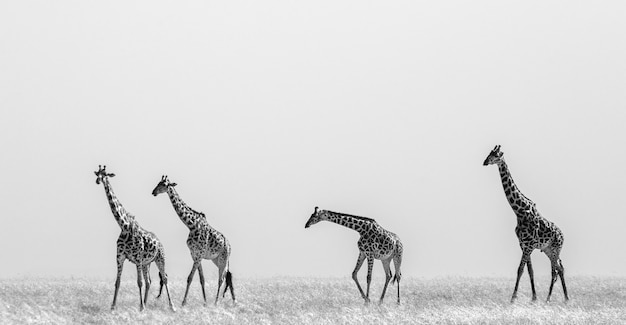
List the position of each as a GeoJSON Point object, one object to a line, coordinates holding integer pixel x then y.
{"type": "Point", "coordinates": [495, 156]}
{"type": "Point", "coordinates": [317, 216]}
{"type": "Point", "coordinates": [162, 186]}
{"type": "Point", "coordinates": [102, 174]}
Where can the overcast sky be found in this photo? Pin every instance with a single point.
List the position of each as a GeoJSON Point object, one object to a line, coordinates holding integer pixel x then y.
{"type": "Point", "coordinates": [262, 110]}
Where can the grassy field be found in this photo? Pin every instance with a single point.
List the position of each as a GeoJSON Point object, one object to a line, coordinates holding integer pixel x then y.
{"type": "Point", "coordinates": [316, 301]}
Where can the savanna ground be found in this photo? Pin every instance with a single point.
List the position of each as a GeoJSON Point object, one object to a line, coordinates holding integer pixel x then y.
{"type": "Point", "coordinates": [316, 301]}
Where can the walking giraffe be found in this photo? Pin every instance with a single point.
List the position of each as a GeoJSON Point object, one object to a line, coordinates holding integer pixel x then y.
{"type": "Point", "coordinates": [136, 244]}
{"type": "Point", "coordinates": [204, 241]}
{"type": "Point", "coordinates": [375, 243]}
{"type": "Point", "coordinates": [533, 230]}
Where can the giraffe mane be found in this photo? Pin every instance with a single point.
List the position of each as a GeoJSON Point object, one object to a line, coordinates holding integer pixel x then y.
{"type": "Point", "coordinates": [353, 216]}
{"type": "Point", "coordinates": [197, 212]}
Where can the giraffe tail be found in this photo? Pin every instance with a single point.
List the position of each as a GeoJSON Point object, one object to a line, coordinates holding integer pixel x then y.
{"type": "Point", "coordinates": [161, 285]}
{"type": "Point", "coordinates": [229, 285]}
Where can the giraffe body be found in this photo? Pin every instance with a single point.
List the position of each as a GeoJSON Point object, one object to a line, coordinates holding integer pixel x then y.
{"type": "Point", "coordinates": [204, 242]}
{"type": "Point", "coordinates": [375, 243]}
{"type": "Point", "coordinates": [139, 246]}
{"type": "Point", "coordinates": [533, 230]}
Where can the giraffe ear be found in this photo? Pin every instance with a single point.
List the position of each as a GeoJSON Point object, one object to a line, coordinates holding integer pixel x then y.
{"type": "Point", "coordinates": [173, 184]}
{"type": "Point", "coordinates": [111, 174]}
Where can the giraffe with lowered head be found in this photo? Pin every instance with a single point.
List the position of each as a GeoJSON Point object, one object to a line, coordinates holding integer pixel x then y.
{"type": "Point", "coordinates": [136, 244]}
{"type": "Point", "coordinates": [533, 230]}
{"type": "Point", "coordinates": [204, 241]}
{"type": "Point", "coordinates": [375, 243]}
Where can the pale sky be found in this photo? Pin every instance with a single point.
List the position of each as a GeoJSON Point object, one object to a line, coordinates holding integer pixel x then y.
{"type": "Point", "coordinates": [262, 110]}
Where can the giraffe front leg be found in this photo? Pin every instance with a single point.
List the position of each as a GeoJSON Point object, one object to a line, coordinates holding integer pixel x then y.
{"type": "Point", "coordinates": [120, 266]}
{"type": "Point", "coordinates": [520, 271]}
{"type": "Point", "coordinates": [201, 276]}
{"type": "Point", "coordinates": [370, 266]}
{"type": "Point", "coordinates": [140, 284]}
{"type": "Point", "coordinates": [189, 279]}
{"type": "Point", "coordinates": [359, 263]}
{"type": "Point", "coordinates": [146, 277]}
{"type": "Point", "coordinates": [387, 268]}
{"type": "Point", "coordinates": [531, 274]}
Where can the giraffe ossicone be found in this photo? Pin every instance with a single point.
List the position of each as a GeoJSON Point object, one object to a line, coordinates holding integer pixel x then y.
{"type": "Point", "coordinates": [135, 244]}
{"type": "Point", "coordinates": [375, 243]}
{"type": "Point", "coordinates": [533, 230]}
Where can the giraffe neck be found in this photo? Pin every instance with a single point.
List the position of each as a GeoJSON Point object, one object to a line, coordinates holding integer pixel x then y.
{"type": "Point", "coordinates": [187, 215]}
{"type": "Point", "coordinates": [518, 201]}
{"type": "Point", "coordinates": [123, 218]}
{"type": "Point", "coordinates": [360, 224]}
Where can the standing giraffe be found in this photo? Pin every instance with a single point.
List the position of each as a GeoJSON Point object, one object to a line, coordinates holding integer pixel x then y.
{"type": "Point", "coordinates": [204, 241]}
{"type": "Point", "coordinates": [533, 230]}
{"type": "Point", "coordinates": [136, 244]}
{"type": "Point", "coordinates": [375, 243]}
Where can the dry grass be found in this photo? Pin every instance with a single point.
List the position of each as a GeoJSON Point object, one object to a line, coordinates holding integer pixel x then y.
{"type": "Point", "coordinates": [315, 301]}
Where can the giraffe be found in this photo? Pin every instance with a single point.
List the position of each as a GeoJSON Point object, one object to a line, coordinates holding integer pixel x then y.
{"type": "Point", "coordinates": [375, 243]}
{"type": "Point", "coordinates": [204, 241]}
{"type": "Point", "coordinates": [533, 230]}
{"type": "Point", "coordinates": [136, 244]}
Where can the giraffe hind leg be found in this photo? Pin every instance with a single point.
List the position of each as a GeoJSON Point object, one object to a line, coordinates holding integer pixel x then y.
{"type": "Point", "coordinates": [160, 262]}
{"type": "Point", "coordinates": [397, 261]}
{"type": "Point", "coordinates": [561, 270]}
{"type": "Point", "coordinates": [557, 271]}
{"type": "Point", "coordinates": [221, 274]}
{"type": "Point", "coordinates": [387, 268]}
